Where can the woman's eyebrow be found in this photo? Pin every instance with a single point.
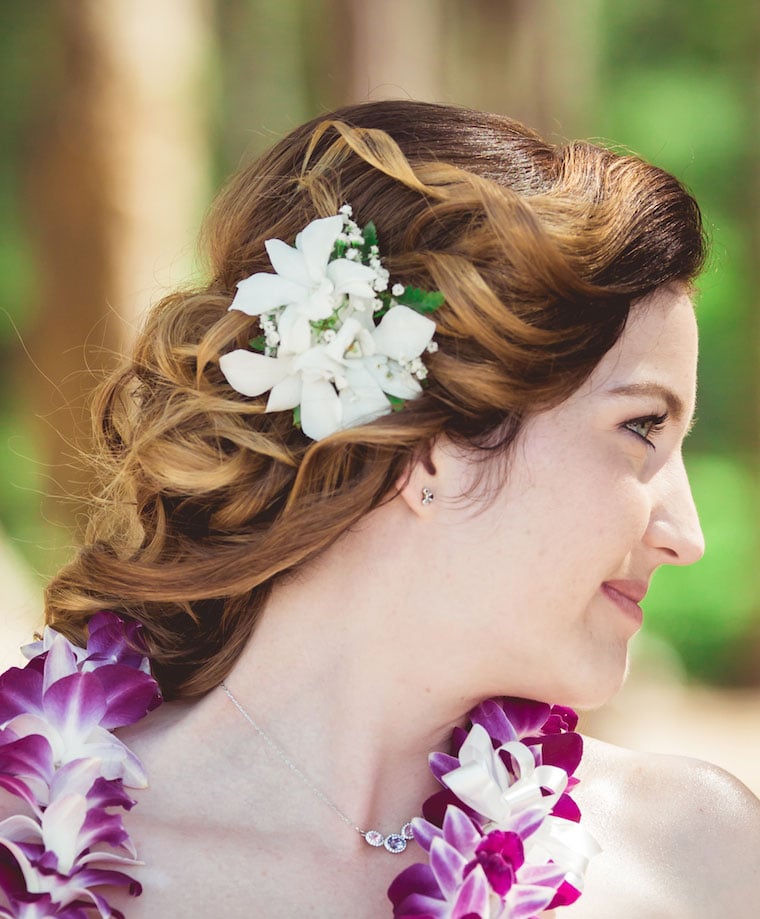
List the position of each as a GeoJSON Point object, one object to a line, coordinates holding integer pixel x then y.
{"type": "Point", "coordinates": [672, 401]}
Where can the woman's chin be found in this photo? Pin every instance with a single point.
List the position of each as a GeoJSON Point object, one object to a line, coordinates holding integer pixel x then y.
{"type": "Point", "coordinates": [593, 692]}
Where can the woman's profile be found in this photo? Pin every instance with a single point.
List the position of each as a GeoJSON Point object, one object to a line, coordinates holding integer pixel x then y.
{"type": "Point", "coordinates": [379, 507]}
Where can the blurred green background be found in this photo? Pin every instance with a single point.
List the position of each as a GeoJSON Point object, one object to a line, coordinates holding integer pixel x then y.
{"type": "Point", "coordinates": [120, 118]}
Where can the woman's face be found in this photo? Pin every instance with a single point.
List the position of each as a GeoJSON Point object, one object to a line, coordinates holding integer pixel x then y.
{"type": "Point", "coordinates": [552, 567]}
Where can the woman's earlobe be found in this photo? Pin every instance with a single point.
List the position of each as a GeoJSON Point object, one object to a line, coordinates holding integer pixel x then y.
{"type": "Point", "coordinates": [417, 495]}
{"type": "Point", "coordinates": [417, 486]}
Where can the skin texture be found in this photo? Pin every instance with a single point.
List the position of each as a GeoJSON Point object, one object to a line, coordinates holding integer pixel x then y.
{"type": "Point", "coordinates": [363, 661]}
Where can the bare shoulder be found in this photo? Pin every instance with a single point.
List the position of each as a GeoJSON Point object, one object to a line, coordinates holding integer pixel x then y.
{"type": "Point", "coordinates": [680, 837]}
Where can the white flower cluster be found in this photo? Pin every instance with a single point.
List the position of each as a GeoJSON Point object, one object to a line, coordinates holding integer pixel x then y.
{"type": "Point", "coordinates": [322, 351]}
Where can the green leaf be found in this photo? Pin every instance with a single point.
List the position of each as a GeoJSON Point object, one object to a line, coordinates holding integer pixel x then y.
{"type": "Point", "coordinates": [339, 249]}
{"type": "Point", "coordinates": [297, 417]}
{"type": "Point", "coordinates": [258, 344]}
{"type": "Point", "coordinates": [370, 236]}
{"type": "Point", "coordinates": [423, 301]}
{"type": "Point", "coordinates": [396, 403]}
{"type": "Point", "coordinates": [321, 325]}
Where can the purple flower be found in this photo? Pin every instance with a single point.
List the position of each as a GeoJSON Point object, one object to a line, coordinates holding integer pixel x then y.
{"type": "Point", "coordinates": [499, 855]}
{"type": "Point", "coordinates": [502, 836]}
{"type": "Point", "coordinates": [33, 889]}
{"type": "Point", "coordinates": [74, 701]}
{"type": "Point", "coordinates": [58, 755]}
{"type": "Point", "coordinates": [471, 874]}
{"type": "Point", "coordinates": [448, 887]}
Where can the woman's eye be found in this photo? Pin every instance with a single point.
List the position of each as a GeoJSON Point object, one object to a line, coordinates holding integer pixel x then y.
{"type": "Point", "coordinates": [647, 426]}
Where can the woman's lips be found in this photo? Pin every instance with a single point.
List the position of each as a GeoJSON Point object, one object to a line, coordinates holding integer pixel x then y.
{"type": "Point", "coordinates": [627, 595]}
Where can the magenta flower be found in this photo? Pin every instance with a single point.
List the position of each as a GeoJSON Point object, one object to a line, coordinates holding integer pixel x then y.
{"type": "Point", "coordinates": [503, 836]}
{"type": "Point", "coordinates": [499, 855]}
{"type": "Point", "coordinates": [471, 874]}
{"type": "Point", "coordinates": [58, 755]}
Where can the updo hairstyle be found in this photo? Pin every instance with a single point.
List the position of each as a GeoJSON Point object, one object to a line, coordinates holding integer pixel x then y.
{"type": "Point", "coordinates": [206, 501]}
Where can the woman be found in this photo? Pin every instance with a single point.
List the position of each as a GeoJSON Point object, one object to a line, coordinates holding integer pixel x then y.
{"type": "Point", "coordinates": [327, 586]}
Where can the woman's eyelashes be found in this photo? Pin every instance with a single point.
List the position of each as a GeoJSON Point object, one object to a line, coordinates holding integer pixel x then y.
{"type": "Point", "coordinates": [646, 427]}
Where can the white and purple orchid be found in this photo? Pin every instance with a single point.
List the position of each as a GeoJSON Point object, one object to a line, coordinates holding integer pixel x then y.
{"type": "Point", "coordinates": [59, 756]}
{"type": "Point", "coordinates": [321, 352]}
{"type": "Point", "coordinates": [503, 838]}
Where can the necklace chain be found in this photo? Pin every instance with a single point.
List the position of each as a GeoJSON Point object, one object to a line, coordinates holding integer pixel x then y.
{"type": "Point", "coordinates": [393, 842]}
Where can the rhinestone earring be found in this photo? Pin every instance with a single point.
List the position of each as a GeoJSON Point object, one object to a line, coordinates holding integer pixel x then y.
{"type": "Point", "coordinates": [427, 496]}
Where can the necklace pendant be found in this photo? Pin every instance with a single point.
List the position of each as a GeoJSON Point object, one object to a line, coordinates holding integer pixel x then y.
{"type": "Point", "coordinates": [394, 843]}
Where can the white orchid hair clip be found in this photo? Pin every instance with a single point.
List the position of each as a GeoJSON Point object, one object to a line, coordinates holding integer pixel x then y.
{"type": "Point", "coordinates": [337, 346]}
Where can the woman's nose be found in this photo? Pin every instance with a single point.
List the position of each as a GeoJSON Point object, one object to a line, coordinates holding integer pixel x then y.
{"type": "Point", "coordinates": [674, 527]}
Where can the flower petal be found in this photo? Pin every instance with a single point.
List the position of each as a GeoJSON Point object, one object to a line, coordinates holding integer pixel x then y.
{"type": "Point", "coordinates": [20, 691]}
{"type": "Point", "coordinates": [459, 831]}
{"type": "Point", "coordinates": [425, 832]}
{"type": "Point", "coordinates": [130, 695]}
{"type": "Point", "coordinates": [30, 757]}
{"type": "Point", "coordinates": [285, 395]}
{"type": "Point", "coordinates": [316, 242]}
{"type": "Point", "coordinates": [19, 828]}
{"type": "Point", "coordinates": [252, 374]}
{"type": "Point", "coordinates": [289, 264]}
{"type": "Point", "coordinates": [352, 278]}
{"type": "Point", "coordinates": [320, 409]}
{"type": "Point", "coordinates": [263, 293]}
{"type": "Point", "coordinates": [118, 761]}
{"type": "Point", "coordinates": [112, 640]}
{"type": "Point", "coordinates": [362, 400]}
{"type": "Point", "coordinates": [403, 333]}
{"type": "Point", "coordinates": [447, 865]}
{"type": "Point", "coordinates": [416, 879]}
{"type": "Point", "coordinates": [392, 378]}
{"type": "Point", "coordinates": [295, 332]}
{"type": "Point", "coordinates": [473, 897]}
{"type": "Point", "coordinates": [75, 705]}
{"type": "Point", "coordinates": [61, 824]}
{"type": "Point", "coordinates": [60, 662]}
{"type": "Point", "coordinates": [441, 763]}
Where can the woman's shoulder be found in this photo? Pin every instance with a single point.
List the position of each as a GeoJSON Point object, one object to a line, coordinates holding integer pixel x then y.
{"type": "Point", "coordinates": [680, 836]}
{"type": "Point", "coordinates": [676, 786]}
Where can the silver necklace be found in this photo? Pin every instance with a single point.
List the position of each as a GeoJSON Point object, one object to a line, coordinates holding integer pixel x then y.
{"type": "Point", "coordinates": [393, 842]}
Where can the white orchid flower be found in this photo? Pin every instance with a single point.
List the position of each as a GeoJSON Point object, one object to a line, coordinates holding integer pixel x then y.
{"type": "Point", "coordinates": [401, 337]}
{"type": "Point", "coordinates": [306, 283]}
{"type": "Point", "coordinates": [323, 352]}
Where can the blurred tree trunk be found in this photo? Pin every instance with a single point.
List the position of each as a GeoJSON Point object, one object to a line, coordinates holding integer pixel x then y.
{"type": "Point", "coordinates": [535, 60]}
{"type": "Point", "coordinates": [117, 177]}
{"type": "Point", "coordinates": [396, 49]}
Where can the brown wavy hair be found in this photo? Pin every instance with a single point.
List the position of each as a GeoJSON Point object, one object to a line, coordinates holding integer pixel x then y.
{"type": "Point", "coordinates": [205, 501]}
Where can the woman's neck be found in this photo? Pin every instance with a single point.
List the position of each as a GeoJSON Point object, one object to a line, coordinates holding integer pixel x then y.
{"type": "Point", "coordinates": [335, 677]}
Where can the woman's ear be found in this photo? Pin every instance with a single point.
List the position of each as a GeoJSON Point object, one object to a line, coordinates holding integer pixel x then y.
{"type": "Point", "coordinates": [417, 486]}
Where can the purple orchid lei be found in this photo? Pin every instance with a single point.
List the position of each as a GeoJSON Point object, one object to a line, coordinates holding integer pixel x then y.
{"type": "Point", "coordinates": [503, 836]}
{"type": "Point", "coordinates": [58, 755]}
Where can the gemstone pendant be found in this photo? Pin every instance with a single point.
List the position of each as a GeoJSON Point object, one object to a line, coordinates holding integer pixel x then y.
{"type": "Point", "coordinates": [395, 843]}
{"type": "Point", "coordinates": [374, 838]}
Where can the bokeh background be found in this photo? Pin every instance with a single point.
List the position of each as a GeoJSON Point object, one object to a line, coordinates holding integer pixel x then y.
{"type": "Point", "coordinates": [120, 118]}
